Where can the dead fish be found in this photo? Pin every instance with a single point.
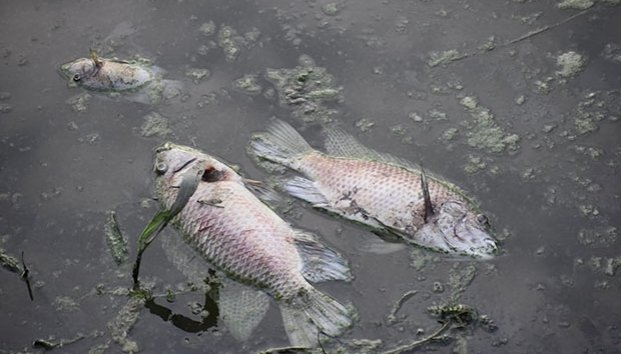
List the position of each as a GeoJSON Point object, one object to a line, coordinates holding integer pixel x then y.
{"type": "Point", "coordinates": [122, 76]}
{"type": "Point", "coordinates": [243, 238]}
{"type": "Point", "coordinates": [385, 192]}
{"type": "Point", "coordinates": [102, 74]}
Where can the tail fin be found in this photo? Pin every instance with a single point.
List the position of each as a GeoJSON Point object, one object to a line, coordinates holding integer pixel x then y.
{"type": "Point", "coordinates": [281, 144]}
{"type": "Point", "coordinates": [311, 314]}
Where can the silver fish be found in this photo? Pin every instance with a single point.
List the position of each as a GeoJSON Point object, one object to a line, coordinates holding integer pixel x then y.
{"type": "Point", "coordinates": [385, 192]}
{"type": "Point", "coordinates": [243, 238]}
{"type": "Point", "coordinates": [102, 74]}
{"type": "Point", "coordinates": [137, 80]}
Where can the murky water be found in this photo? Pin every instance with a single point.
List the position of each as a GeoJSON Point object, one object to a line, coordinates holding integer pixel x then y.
{"type": "Point", "coordinates": [517, 102]}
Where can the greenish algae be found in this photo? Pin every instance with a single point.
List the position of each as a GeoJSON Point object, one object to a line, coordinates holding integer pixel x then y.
{"type": "Point", "coordinates": [117, 243]}
{"type": "Point", "coordinates": [576, 4]}
{"type": "Point", "coordinates": [571, 64]}
{"type": "Point", "coordinates": [155, 124]}
{"type": "Point", "coordinates": [248, 84]}
{"type": "Point", "coordinates": [306, 88]}
{"type": "Point", "coordinates": [483, 131]}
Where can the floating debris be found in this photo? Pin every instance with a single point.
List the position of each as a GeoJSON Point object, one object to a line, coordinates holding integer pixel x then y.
{"type": "Point", "coordinates": [306, 88]}
{"type": "Point", "coordinates": [600, 236]}
{"type": "Point", "coordinates": [79, 102]}
{"type": "Point", "coordinates": [437, 114]}
{"type": "Point", "coordinates": [520, 100]}
{"type": "Point", "coordinates": [474, 164]}
{"type": "Point", "coordinates": [441, 58]}
{"type": "Point", "coordinates": [592, 152]}
{"type": "Point", "coordinates": [5, 108]}
{"type": "Point", "coordinates": [365, 124]}
{"type": "Point", "coordinates": [605, 265]}
{"type": "Point", "coordinates": [483, 132]}
{"type": "Point", "coordinates": [208, 28]}
{"type": "Point", "coordinates": [459, 279]}
{"type": "Point", "coordinates": [488, 45]}
{"type": "Point", "coordinates": [571, 64]}
{"type": "Point", "coordinates": [91, 139]}
{"type": "Point", "coordinates": [543, 86]}
{"type": "Point", "coordinates": [122, 324]}
{"type": "Point", "coordinates": [197, 75]}
{"type": "Point", "coordinates": [155, 124]}
{"type": "Point", "coordinates": [419, 259]}
{"type": "Point", "coordinates": [438, 287]}
{"type": "Point", "coordinates": [65, 304]}
{"type": "Point", "coordinates": [232, 43]}
{"type": "Point", "coordinates": [330, 9]}
{"type": "Point", "coordinates": [448, 135]}
{"type": "Point", "coordinates": [117, 243]}
{"type": "Point", "coordinates": [575, 4]}
{"type": "Point", "coordinates": [612, 52]}
{"type": "Point", "coordinates": [248, 84]}
{"type": "Point", "coordinates": [588, 210]}
{"type": "Point", "coordinates": [461, 314]}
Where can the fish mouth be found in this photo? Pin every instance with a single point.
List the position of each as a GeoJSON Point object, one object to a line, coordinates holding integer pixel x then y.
{"type": "Point", "coordinates": [63, 69]}
{"type": "Point", "coordinates": [488, 251]}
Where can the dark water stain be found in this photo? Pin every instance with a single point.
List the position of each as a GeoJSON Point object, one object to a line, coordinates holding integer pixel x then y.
{"type": "Point", "coordinates": [61, 169]}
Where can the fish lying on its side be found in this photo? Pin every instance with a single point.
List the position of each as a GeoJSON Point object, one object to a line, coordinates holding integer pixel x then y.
{"type": "Point", "coordinates": [379, 190]}
{"type": "Point", "coordinates": [242, 237]}
{"type": "Point", "coordinates": [122, 76]}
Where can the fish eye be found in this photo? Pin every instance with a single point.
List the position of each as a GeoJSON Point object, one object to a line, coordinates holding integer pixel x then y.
{"type": "Point", "coordinates": [161, 168]}
{"type": "Point", "coordinates": [482, 219]}
{"type": "Point", "coordinates": [76, 77]}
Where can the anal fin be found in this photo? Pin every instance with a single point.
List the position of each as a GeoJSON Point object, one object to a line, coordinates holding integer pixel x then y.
{"type": "Point", "coordinates": [320, 263]}
{"type": "Point", "coordinates": [241, 308]}
{"type": "Point", "coordinates": [305, 189]}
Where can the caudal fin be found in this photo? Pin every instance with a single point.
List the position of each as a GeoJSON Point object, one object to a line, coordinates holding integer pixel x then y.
{"type": "Point", "coordinates": [281, 143]}
{"type": "Point", "coordinates": [314, 313]}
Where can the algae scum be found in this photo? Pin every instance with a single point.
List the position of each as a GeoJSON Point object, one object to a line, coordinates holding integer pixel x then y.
{"type": "Point", "coordinates": [516, 102]}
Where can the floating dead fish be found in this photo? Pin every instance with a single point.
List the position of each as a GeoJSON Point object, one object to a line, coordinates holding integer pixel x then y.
{"type": "Point", "coordinates": [379, 190]}
{"type": "Point", "coordinates": [243, 238]}
{"type": "Point", "coordinates": [120, 76]}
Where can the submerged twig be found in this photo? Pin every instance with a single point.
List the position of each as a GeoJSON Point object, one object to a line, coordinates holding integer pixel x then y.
{"type": "Point", "coordinates": [544, 28]}
{"type": "Point", "coordinates": [419, 342]}
{"type": "Point", "coordinates": [460, 56]}
{"type": "Point", "coordinates": [26, 277]}
{"type": "Point", "coordinates": [392, 317]}
{"type": "Point", "coordinates": [49, 345]}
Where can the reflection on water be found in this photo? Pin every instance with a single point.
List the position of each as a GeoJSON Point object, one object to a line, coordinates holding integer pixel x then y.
{"type": "Point", "coordinates": [511, 101]}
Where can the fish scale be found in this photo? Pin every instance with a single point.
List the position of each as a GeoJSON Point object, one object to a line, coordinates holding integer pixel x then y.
{"type": "Point", "coordinates": [388, 192]}
{"type": "Point", "coordinates": [241, 236]}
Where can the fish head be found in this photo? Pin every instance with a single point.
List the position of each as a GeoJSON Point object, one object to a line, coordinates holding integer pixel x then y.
{"type": "Point", "coordinates": [456, 229]}
{"type": "Point", "coordinates": [79, 69]}
{"type": "Point", "coordinates": [172, 161]}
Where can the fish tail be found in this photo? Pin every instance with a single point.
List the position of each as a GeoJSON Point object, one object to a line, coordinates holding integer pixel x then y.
{"type": "Point", "coordinates": [314, 315]}
{"type": "Point", "coordinates": [280, 144]}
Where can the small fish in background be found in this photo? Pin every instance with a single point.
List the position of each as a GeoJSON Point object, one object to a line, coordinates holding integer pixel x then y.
{"type": "Point", "coordinates": [136, 77]}
{"type": "Point", "coordinates": [385, 192]}
{"type": "Point", "coordinates": [243, 238]}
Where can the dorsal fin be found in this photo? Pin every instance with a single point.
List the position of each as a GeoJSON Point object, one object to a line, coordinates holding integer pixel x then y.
{"type": "Point", "coordinates": [428, 206]}
{"type": "Point", "coordinates": [341, 144]}
{"type": "Point", "coordinates": [95, 58]}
